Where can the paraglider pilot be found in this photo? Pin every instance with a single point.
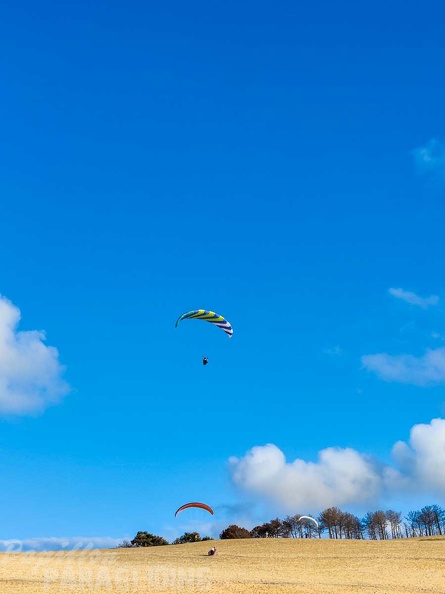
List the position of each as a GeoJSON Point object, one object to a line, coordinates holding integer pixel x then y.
{"type": "Point", "coordinates": [205, 360]}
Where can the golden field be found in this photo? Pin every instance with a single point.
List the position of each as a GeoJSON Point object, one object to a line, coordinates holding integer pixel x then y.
{"type": "Point", "coordinates": [413, 566]}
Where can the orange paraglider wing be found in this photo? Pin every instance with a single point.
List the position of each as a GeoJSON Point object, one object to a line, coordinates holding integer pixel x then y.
{"type": "Point", "coordinates": [194, 504]}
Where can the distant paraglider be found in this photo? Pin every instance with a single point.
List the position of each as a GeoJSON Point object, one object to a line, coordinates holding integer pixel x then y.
{"type": "Point", "coordinates": [308, 518]}
{"type": "Point", "coordinates": [194, 504]}
{"type": "Point", "coordinates": [207, 316]}
{"type": "Point", "coordinates": [205, 360]}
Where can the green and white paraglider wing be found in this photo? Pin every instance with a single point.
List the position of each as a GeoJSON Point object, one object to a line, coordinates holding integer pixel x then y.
{"type": "Point", "coordinates": [208, 316]}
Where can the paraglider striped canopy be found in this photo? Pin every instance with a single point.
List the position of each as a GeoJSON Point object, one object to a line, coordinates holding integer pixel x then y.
{"type": "Point", "coordinates": [208, 316]}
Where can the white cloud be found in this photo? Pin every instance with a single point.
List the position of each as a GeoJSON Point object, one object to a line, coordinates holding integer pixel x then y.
{"type": "Point", "coordinates": [431, 157]}
{"type": "Point", "coordinates": [423, 458]}
{"type": "Point", "coordinates": [55, 543]}
{"type": "Point", "coordinates": [344, 476]}
{"type": "Point", "coordinates": [340, 476]}
{"type": "Point", "coordinates": [427, 370]}
{"type": "Point", "coordinates": [30, 372]}
{"type": "Point", "coordinates": [413, 299]}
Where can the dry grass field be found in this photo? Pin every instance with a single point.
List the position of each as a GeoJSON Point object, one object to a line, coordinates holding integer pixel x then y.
{"type": "Point", "coordinates": [411, 566]}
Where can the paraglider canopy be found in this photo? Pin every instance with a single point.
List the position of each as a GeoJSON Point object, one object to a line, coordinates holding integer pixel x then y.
{"type": "Point", "coordinates": [194, 504]}
{"type": "Point", "coordinates": [208, 316]}
{"type": "Point", "coordinates": [308, 518]}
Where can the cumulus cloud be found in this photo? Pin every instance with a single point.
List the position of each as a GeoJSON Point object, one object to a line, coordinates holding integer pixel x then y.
{"type": "Point", "coordinates": [55, 543]}
{"type": "Point", "coordinates": [340, 476]}
{"type": "Point", "coordinates": [413, 299]}
{"type": "Point", "coordinates": [30, 372]}
{"type": "Point", "coordinates": [431, 157]}
{"type": "Point", "coordinates": [422, 460]}
{"type": "Point", "coordinates": [426, 370]}
{"type": "Point", "coordinates": [343, 475]}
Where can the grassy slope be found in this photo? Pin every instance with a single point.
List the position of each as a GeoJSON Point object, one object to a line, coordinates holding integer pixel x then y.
{"type": "Point", "coordinates": [244, 566]}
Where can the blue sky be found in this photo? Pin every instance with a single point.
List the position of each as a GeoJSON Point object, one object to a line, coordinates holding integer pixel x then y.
{"type": "Point", "coordinates": [281, 164]}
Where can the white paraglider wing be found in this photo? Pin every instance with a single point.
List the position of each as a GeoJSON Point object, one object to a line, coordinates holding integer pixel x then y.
{"type": "Point", "coordinates": [308, 518]}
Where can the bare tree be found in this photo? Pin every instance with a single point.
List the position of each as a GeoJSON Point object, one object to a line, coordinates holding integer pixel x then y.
{"type": "Point", "coordinates": [394, 519]}
{"type": "Point", "coordinates": [431, 518]}
{"type": "Point", "coordinates": [331, 520]}
{"type": "Point", "coordinates": [439, 518]}
{"type": "Point", "coordinates": [352, 527]}
{"type": "Point", "coordinates": [370, 526]}
{"type": "Point", "coordinates": [415, 527]}
{"type": "Point", "coordinates": [276, 528]}
{"type": "Point", "coordinates": [293, 526]}
{"type": "Point", "coordinates": [381, 524]}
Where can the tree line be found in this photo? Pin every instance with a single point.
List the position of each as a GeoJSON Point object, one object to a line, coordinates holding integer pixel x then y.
{"type": "Point", "coordinates": [337, 524]}
{"type": "Point", "coordinates": [332, 523]}
{"type": "Point", "coordinates": [146, 539]}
